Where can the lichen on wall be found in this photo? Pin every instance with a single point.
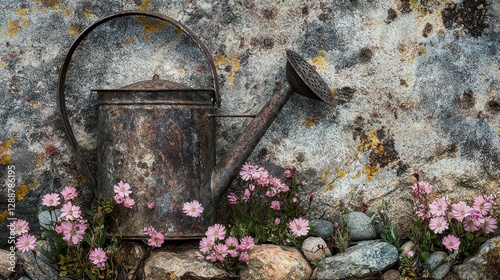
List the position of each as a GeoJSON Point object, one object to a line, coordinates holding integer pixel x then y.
{"type": "Point", "coordinates": [417, 86]}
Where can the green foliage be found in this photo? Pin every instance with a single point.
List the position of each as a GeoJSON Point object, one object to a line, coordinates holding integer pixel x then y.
{"type": "Point", "coordinates": [341, 236]}
{"type": "Point", "coordinates": [388, 232]}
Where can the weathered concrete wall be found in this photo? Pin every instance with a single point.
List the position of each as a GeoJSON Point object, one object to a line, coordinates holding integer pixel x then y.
{"type": "Point", "coordinates": [417, 82]}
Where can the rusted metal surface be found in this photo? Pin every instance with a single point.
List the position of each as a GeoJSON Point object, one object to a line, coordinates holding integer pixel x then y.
{"type": "Point", "coordinates": [163, 144]}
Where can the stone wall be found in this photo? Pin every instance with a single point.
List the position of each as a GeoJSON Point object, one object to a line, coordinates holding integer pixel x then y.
{"type": "Point", "coordinates": [417, 83]}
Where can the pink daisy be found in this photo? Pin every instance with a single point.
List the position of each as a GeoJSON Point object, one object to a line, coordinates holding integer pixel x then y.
{"type": "Point", "coordinates": [221, 250]}
{"type": "Point", "coordinates": [275, 205]}
{"type": "Point", "coordinates": [70, 212]}
{"type": "Point", "coordinates": [232, 199]}
{"type": "Point", "coordinates": [482, 205]}
{"type": "Point", "coordinates": [246, 243]}
{"type": "Point", "coordinates": [248, 171]}
{"type": "Point", "coordinates": [277, 221]}
{"type": "Point", "coordinates": [51, 199]}
{"type": "Point", "coordinates": [460, 211]}
{"type": "Point", "coordinates": [246, 195]}
{"type": "Point", "coordinates": [244, 257]}
{"type": "Point", "coordinates": [151, 205]}
{"type": "Point", "coordinates": [19, 227]}
{"type": "Point", "coordinates": [206, 244]}
{"type": "Point", "coordinates": [26, 242]}
{"type": "Point", "coordinates": [299, 227]}
{"type": "Point", "coordinates": [122, 189]}
{"type": "Point", "coordinates": [451, 242]}
{"type": "Point", "coordinates": [489, 224]}
{"type": "Point", "coordinates": [73, 233]}
{"type": "Point", "coordinates": [438, 207]}
{"type": "Point", "coordinates": [128, 202]}
{"type": "Point", "coordinates": [118, 199]}
{"type": "Point", "coordinates": [98, 257]}
{"type": "Point", "coordinates": [156, 239]}
{"type": "Point", "coordinates": [149, 230]}
{"type": "Point", "coordinates": [217, 232]}
{"type": "Point", "coordinates": [193, 209]}
{"type": "Point", "coordinates": [471, 224]}
{"type": "Point", "coordinates": [232, 242]}
{"type": "Point", "coordinates": [69, 193]}
{"type": "Point", "coordinates": [438, 224]}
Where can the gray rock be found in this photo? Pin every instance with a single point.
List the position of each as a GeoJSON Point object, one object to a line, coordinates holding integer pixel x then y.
{"type": "Point", "coordinates": [323, 228]}
{"type": "Point", "coordinates": [441, 271]}
{"type": "Point", "coordinates": [391, 275]}
{"type": "Point", "coordinates": [483, 265]}
{"type": "Point", "coordinates": [276, 262]}
{"type": "Point", "coordinates": [38, 268]}
{"type": "Point", "coordinates": [8, 262]}
{"type": "Point", "coordinates": [315, 249]}
{"type": "Point", "coordinates": [165, 265]}
{"type": "Point", "coordinates": [435, 259]}
{"type": "Point", "coordinates": [360, 227]}
{"type": "Point", "coordinates": [366, 258]}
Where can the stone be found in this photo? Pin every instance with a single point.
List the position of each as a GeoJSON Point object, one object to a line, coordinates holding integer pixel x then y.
{"type": "Point", "coordinates": [323, 228]}
{"type": "Point", "coordinates": [360, 227]}
{"type": "Point", "coordinates": [366, 258]}
{"type": "Point", "coordinates": [270, 261]}
{"type": "Point", "coordinates": [37, 268]}
{"type": "Point", "coordinates": [441, 271]}
{"type": "Point", "coordinates": [131, 255]}
{"type": "Point", "coordinates": [167, 265]}
{"type": "Point", "coordinates": [435, 259]}
{"type": "Point", "coordinates": [408, 246]}
{"type": "Point", "coordinates": [8, 262]}
{"type": "Point", "coordinates": [391, 275]}
{"type": "Point", "coordinates": [315, 249]}
{"type": "Point", "coordinates": [483, 265]}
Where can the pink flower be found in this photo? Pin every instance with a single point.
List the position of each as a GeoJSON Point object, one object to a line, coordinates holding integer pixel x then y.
{"type": "Point", "coordinates": [244, 257]}
{"type": "Point", "coordinates": [232, 242]}
{"type": "Point", "coordinates": [248, 171]}
{"type": "Point", "coordinates": [51, 199]}
{"type": "Point", "coordinates": [246, 244]}
{"type": "Point", "coordinates": [98, 257]}
{"type": "Point", "coordinates": [421, 189]}
{"type": "Point", "coordinates": [69, 193]}
{"type": "Point", "coordinates": [156, 239]}
{"type": "Point", "coordinates": [232, 198]}
{"type": "Point", "coordinates": [410, 254]}
{"type": "Point", "coordinates": [193, 209]}
{"type": "Point", "coordinates": [217, 232]}
{"type": "Point", "coordinates": [482, 205]}
{"type": "Point", "coordinates": [290, 172]}
{"type": "Point", "coordinates": [73, 233]}
{"type": "Point", "coordinates": [275, 205]}
{"type": "Point", "coordinates": [303, 183]}
{"type": "Point", "coordinates": [246, 195]}
{"type": "Point", "coordinates": [70, 212]}
{"type": "Point", "coordinates": [438, 207]}
{"type": "Point", "coordinates": [151, 205]}
{"type": "Point", "coordinates": [277, 221]}
{"type": "Point", "coordinates": [451, 242]}
{"type": "Point", "coordinates": [206, 244]}
{"type": "Point", "coordinates": [122, 189]}
{"type": "Point", "coordinates": [438, 224]}
{"type": "Point", "coordinates": [118, 199]}
{"type": "Point", "coordinates": [471, 224]}
{"type": "Point", "coordinates": [460, 211]}
{"type": "Point", "coordinates": [19, 227]}
{"type": "Point", "coordinates": [233, 253]}
{"type": "Point", "coordinates": [336, 225]}
{"type": "Point", "coordinates": [128, 202]}
{"type": "Point", "coordinates": [422, 212]}
{"type": "Point", "coordinates": [221, 250]}
{"type": "Point", "coordinates": [149, 230]}
{"type": "Point", "coordinates": [299, 227]}
{"type": "Point", "coordinates": [26, 242]}
{"type": "Point", "coordinates": [313, 195]}
{"type": "Point", "coordinates": [489, 224]}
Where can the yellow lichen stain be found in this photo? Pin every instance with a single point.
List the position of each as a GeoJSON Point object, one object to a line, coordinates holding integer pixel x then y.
{"type": "Point", "coordinates": [24, 22]}
{"type": "Point", "coordinates": [152, 25]}
{"type": "Point", "coordinates": [178, 31]}
{"type": "Point", "coordinates": [324, 176]}
{"type": "Point", "coordinates": [13, 28]}
{"type": "Point", "coordinates": [145, 5]}
{"type": "Point", "coordinates": [145, 38]}
{"type": "Point", "coordinates": [5, 148]}
{"type": "Point", "coordinates": [21, 11]}
{"type": "Point", "coordinates": [3, 215]}
{"type": "Point", "coordinates": [331, 186]}
{"type": "Point", "coordinates": [182, 72]}
{"type": "Point", "coordinates": [3, 64]}
{"type": "Point", "coordinates": [24, 190]}
{"type": "Point", "coordinates": [51, 4]}
{"type": "Point", "coordinates": [35, 105]}
{"type": "Point", "coordinates": [310, 122]}
{"type": "Point", "coordinates": [67, 11]}
{"type": "Point", "coordinates": [356, 175]}
{"type": "Point", "coordinates": [231, 60]}
{"type": "Point", "coordinates": [73, 30]}
{"type": "Point", "coordinates": [370, 171]}
{"type": "Point", "coordinates": [319, 61]}
{"type": "Point", "coordinates": [87, 13]}
{"type": "Point", "coordinates": [341, 173]}
{"type": "Point", "coordinates": [371, 142]}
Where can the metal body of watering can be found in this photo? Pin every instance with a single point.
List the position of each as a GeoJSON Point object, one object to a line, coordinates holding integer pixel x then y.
{"type": "Point", "coordinates": [159, 136]}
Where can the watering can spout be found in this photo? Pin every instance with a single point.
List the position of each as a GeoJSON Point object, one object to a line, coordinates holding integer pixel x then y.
{"type": "Point", "coordinates": [302, 78]}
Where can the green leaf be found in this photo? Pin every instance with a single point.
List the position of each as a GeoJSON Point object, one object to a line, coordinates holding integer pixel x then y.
{"type": "Point", "coordinates": [424, 256]}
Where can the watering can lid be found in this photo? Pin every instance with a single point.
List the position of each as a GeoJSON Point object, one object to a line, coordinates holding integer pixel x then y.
{"type": "Point", "coordinates": [156, 84]}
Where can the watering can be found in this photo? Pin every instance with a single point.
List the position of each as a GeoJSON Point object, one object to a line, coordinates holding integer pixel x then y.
{"type": "Point", "coordinates": [159, 136]}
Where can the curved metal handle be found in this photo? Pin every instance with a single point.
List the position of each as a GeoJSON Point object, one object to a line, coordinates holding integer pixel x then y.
{"type": "Point", "coordinates": [62, 77]}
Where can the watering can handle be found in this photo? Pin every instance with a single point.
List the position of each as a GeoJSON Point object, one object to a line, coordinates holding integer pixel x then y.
{"type": "Point", "coordinates": [62, 77]}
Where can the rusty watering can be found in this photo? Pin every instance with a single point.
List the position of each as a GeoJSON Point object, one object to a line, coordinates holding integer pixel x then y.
{"type": "Point", "coordinates": [159, 136]}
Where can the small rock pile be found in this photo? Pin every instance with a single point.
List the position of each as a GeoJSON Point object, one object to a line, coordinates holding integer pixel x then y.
{"type": "Point", "coordinates": [370, 257]}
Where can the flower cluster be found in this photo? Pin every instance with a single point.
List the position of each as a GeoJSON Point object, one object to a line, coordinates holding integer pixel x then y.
{"type": "Point", "coordinates": [25, 242]}
{"type": "Point", "coordinates": [228, 252]}
{"type": "Point", "coordinates": [122, 192]}
{"type": "Point", "coordinates": [268, 208]}
{"type": "Point", "coordinates": [156, 238]}
{"type": "Point", "coordinates": [457, 223]}
{"type": "Point", "coordinates": [98, 257]}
